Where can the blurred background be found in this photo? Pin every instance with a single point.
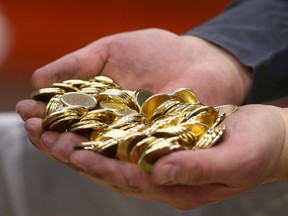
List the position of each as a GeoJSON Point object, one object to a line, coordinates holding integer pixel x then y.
{"type": "Point", "coordinates": [42, 31]}
{"type": "Point", "coordinates": [38, 32]}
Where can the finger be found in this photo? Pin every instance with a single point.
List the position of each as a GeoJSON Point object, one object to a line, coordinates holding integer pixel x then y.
{"type": "Point", "coordinates": [30, 108]}
{"type": "Point", "coordinates": [34, 129]}
{"type": "Point", "coordinates": [115, 173]}
{"type": "Point", "coordinates": [231, 162]}
{"type": "Point", "coordinates": [187, 168]}
{"type": "Point", "coordinates": [127, 178]}
{"type": "Point", "coordinates": [82, 64]}
{"type": "Point", "coordinates": [60, 146]}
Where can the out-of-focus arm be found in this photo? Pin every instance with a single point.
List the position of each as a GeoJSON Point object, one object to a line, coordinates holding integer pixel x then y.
{"type": "Point", "coordinates": [256, 32]}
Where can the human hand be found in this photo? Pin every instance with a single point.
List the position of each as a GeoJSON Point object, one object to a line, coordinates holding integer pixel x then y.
{"type": "Point", "coordinates": [159, 61]}
{"type": "Point", "coordinates": [253, 151]}
{"type": "Point", "coordinates": [156, 60]}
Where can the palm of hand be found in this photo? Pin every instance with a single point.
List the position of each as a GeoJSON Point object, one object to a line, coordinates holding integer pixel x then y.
{"type": "Point", "coordinates": [184, 179]}
{"type": "Point", "coordinates": [239, 163]}
{"type": "Point", "coordinates": [155, 60]}
{"type": "Point", "coordinates": [162, 62]}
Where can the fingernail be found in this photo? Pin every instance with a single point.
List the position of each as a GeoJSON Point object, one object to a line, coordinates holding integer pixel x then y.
{"type": "Point", "coordinates": [166, 174]}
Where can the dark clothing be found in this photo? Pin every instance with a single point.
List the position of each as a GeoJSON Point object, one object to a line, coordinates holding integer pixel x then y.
{"type": "Point", "coordinates": [256, 32]}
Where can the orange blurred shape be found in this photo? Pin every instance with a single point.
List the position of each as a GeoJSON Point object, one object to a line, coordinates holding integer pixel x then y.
{"type": "Point", "coordinates": [46, 30]}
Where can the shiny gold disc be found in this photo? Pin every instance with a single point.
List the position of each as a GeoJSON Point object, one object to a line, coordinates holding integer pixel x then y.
{"type": "Point", "coordinates": [79, 99]}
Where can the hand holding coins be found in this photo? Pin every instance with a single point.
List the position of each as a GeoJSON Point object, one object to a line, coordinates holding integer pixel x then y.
{"type": "Point", "coordinates": [135, 126]}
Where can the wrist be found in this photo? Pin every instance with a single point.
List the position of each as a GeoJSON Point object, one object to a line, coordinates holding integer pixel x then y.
{"type": "Point", "coordinates": [280, 172]}
{"type": "Point", "coordinates": [231, 79]}
{"type": "Point", "coordinates": [283, 168]}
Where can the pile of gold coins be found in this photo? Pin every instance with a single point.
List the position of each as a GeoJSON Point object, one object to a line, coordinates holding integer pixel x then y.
{"type": "Point", "coordinates": [135, 126]}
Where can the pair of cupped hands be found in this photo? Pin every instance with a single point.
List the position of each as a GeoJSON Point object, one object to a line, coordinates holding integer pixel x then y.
{"type": "Point", "coordinates": [253, 150]}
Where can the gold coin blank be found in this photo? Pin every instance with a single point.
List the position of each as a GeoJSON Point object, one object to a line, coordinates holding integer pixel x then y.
{"type": "Point", "coordinates": [103, 79]}
{"type": "Point", "coordinates": [45, 94]}
{"type": "Point", "coordinates": [66, 87]}
{"type": "Point", "coordinates": [227, 109]}
{"type": "Point", "coordinates": [142, 95]}
{"type": "Point", "coordinates": [187, 95]}
{"type": "Point", "coordinates": [79, 99]}
{"type": "Point", "coordinates": [127, 144]}
{"type": "Point", "coordinates": [156, 151]}
{"type": "Point", "coordinates": [113, 106]}
{"type": "Point", "coordinates": [135, 126]}
{"type": "Point", "coordinates": [62, 124]}
{"type": "Point", "coordinates": [152, 103]}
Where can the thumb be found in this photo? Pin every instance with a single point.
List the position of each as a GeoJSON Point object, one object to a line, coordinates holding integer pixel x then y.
{"type": "Point", "coordinates": [81, 64]}
{"type": "Point", "coordinates": [192, 168]}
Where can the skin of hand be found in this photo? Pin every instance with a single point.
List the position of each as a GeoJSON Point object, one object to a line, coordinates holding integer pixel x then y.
{"type": "Point", "coordinates": [156, 60]}
{"type": "Point", "coordinates": [161, 61]}
{"type": "Point", "coordinates": [253, 151]}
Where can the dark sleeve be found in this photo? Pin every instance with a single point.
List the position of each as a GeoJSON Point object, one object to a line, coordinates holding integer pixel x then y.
{"type": "Point", "coordinates": [256, 32]}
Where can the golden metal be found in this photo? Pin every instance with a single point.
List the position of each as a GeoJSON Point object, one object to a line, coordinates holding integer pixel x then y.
{"type": "Point", "coordinates": [135, 126]}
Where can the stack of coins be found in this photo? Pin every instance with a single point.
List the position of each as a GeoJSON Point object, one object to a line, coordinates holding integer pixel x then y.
{"type": "Point", "coordinates": [135, 126]}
